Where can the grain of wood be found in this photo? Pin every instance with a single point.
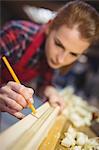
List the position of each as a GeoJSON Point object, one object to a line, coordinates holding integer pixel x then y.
{"type": "Point", "coordinates": [50, 141]}
{"type": "Point", "coordinates": [28, 133]}
{"type": "Point", "coordinates": [14, 132]}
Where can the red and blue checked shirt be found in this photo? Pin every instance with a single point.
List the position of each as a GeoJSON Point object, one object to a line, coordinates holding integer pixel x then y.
{"type": "Point", "coordinates": [22, 42]}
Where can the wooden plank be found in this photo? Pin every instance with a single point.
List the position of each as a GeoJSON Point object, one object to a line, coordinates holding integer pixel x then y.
{"type": "Point", "coordinates": [54, 134]}
{"type": "Point", "coordinates": [32, 138]}
{"type": "Point", "coordinates": [14, 132]}
{"type": "Point", "coordinates": [43, 131]}
{"type": "Point", "coordinates": [29, 133]}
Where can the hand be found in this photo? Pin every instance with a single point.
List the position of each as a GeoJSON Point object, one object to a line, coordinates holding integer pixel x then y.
{"type": "Point", "coordinates": [54, 98]}
{"type": "Point", "coordinates": [13, 98]}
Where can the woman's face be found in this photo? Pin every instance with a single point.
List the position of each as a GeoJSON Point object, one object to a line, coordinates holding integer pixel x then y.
{"type": "Point", "coordinates": [64, 46]}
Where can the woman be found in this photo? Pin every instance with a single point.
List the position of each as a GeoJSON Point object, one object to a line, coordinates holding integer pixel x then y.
{"type": "Point", "coordinates": [36, 51]}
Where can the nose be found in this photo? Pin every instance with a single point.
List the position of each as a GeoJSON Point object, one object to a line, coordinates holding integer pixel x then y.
{"type": "Point", "coordinates": [61, 57]}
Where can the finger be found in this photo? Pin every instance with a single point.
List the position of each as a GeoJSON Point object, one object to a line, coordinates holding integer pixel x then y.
{"type": "Point", "coordinates": [53, 100]}
{"type": "Point", "coordinates": [12, 103]}
{"type": "Point", "coordinates": [61, 104]}
{"type": "Point", "coordinates": [53, 104]}
{"type": "Point", "coordinates": [27, 92]}
{"type": "Point", "coordinates": [19, 99]}
{"type": "Point", "coordinates": [13, 112]}
{"type": "Point", "coordinates": [18, 115]}
{"type": "Point", "coordinates": [31, 100]}
{"type": "Point", "coordinates": [3, 89]}
{"type": "Point", "coordinates": [2, 107]}
{"type": "Point", "coordinates": [19, 88]}
{"type": "Point", "coordinates": [8, 109]}
{"type": "Point", "coordinates": [14, 86]}
{"type": "Point", "coordinates": [15, 96]}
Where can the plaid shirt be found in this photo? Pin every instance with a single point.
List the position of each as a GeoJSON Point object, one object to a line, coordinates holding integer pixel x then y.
{"type": "Point", "coordinates": [15, 38]}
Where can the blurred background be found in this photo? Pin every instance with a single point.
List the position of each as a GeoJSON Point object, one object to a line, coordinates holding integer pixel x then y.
{"type": "Point", "coordinates": [14, 9]}
{"type": "Point", "coordinates": [84, 76]}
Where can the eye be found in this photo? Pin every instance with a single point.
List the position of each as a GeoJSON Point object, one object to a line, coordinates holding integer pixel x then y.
{"type": "Point", "coordinates": [57, 43]}
{"type": "Point", "coordinates": [73, 54]}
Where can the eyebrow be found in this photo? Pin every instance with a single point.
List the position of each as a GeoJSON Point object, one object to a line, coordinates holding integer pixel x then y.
{"type": "Point", "coordinates": [60, 43]}
{"type": "Point", "coordinates": [62, 46]}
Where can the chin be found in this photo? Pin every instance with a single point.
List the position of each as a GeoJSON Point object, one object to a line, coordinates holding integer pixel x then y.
{"type": "Point", "coordinates": [53, 66]}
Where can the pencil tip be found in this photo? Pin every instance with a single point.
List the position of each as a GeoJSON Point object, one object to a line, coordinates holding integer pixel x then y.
{"type": "Point", "coordinates": [34, 115]}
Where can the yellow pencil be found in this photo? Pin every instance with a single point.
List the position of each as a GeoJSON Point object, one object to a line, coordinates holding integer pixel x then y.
{"type": "Point", "coordinates": [17, 80]}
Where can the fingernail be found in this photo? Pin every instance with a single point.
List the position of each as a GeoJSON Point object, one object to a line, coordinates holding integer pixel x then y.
{"type": "Point", "coordinates": [19, 115]}
{"type": "Point", "coordinates": [31, 100]}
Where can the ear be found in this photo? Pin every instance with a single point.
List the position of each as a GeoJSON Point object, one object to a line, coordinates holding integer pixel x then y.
{"type": "Point", "coordinates": [48, 25]}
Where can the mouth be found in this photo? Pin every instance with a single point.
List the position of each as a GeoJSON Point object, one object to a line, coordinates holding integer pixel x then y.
{"type": "Point", "coordinates": [53, 62]}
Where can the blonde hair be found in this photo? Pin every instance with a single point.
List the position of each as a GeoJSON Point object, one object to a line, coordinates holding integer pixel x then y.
{"type": "Point", "coordinates": [82, 15]}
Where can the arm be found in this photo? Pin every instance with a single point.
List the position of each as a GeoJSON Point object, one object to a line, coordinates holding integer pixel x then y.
{"type": "Point", "coordinates": [46, 89]}
{"type": "Point", "coordinates": [53, 97]}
